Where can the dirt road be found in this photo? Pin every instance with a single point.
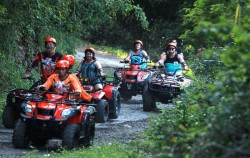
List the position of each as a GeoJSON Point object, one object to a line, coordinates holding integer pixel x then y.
{"type": "Point", "coordinates": [132, 121]}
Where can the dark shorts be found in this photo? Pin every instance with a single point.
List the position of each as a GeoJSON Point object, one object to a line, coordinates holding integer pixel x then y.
{"type": "Point", "coordinates": [96, 80]}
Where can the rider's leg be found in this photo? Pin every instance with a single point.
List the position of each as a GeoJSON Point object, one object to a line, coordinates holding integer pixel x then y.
{"type": "Point", "coordinates": [98, 86]}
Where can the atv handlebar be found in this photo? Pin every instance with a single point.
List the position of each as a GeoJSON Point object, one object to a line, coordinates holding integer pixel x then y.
{"type": "Point", "coordinates": [127, 62]}
{"type": "Point", "coordinates": [124, 61]}
{"type": "Point", "coordinates": [31, 78]}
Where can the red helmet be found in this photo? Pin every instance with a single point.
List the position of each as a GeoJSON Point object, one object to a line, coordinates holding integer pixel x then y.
{"type": "Point", "coordinates": [92, 50]}
{"type": "Point", "coordinates": [138, 41]}
{"type": "Point", "coordinates": [50, 39]}
{"type": "Point", "coordinates": [171, 44]}
{"type": "Point", "coordinates": [69, 58]}
{"type": "Point", "coordinates": [62, 64]}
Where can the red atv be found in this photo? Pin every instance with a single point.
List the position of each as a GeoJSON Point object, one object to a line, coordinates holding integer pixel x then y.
{"type": "Point", "coordinates": [12, 109]}
{"type": "Point", "coordinates": [53, 115]}
{"type": "Point", "coordinates": [132, 79]}
{"type": "Point", "coordinates": [163, 87]}
{"type": "Point", "coordinates": [110, 94]}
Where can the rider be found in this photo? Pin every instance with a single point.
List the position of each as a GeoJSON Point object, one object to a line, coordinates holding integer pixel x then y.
{"type": "Point", "coordinates": [171, 60]}
{"type": "Point", "coordinates": [91, 69]}
{"type": "Point", "coordinates": [64, 81]}
{"type": "Point", "coordinates": [138, 55]}
{"type": "Point", "coordinates": [47, 61]}
{"type": "Point", "coordinates": [71, 60]}
{"type": "Point", "coordinates": [178, 49]}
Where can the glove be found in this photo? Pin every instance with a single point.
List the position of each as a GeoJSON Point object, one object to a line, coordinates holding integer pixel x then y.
{"type": "Point", "coordinates": [42, 88]}
{"type": "Point", "coordinates": [103, 76]}
{"type": "Point", "coordinates": [25, 76]}
{"type": "Point", "coordinates": [94, 100]}
{"type": "Point", "coordinates": [126, 61]}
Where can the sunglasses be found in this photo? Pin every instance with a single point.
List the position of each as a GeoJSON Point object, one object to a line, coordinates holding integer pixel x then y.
{"type": "Point", "coordinates": [61, 69]}
{"type": "Point", "coordinates": [171, 48]}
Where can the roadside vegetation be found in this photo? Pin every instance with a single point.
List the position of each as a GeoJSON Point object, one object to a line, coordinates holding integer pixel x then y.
{"type": "Point", "coordinates": [212, 119]}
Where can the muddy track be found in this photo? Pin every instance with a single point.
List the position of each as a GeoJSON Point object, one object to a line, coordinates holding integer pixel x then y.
{"type": "Point", "coordinates": [131, 122]}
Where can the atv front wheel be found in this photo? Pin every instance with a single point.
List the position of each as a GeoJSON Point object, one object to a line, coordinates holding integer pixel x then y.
{"type": "Point", "coordinates": [148, 99]}
{"type": "Point", "coordinates": [115, 105]}
{"type": "Point", "coordinates": [71, 136]}
{"type": "Point", "coordinates": [102, 111]}
{"type": "Point", "coordinates": [20, 138]}
{"type": "Point", "coordinates": [89, 134]}
{"type": "Point", "coordinates": [9, 116]}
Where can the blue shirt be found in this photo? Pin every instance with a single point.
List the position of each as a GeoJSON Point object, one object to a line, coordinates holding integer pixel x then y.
{"type": "Point", "coordinates": [138, 59]}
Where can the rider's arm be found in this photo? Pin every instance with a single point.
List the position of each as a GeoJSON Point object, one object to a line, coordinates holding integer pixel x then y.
{"type": "Point", "coordinates": [161, 61]}
{"type": "Point", "coordinates": [75, 84]}
{"type": "Point", "coordinates": [99, 68]}
{"type": "Point", "coordinates": [145, 55]}
{"type": "Point", "coordinates": [49, 82]}
{"type": "Point", "coordinates": [34, 62]}
{"type": "Point", "coordinates": [128, 57]}
{"type": "Point", "coordinates": [182, 61]}
{"type": "Point", "coordinates": [78, 70]}
{"type": "Point", "coordinates": [76, 87]}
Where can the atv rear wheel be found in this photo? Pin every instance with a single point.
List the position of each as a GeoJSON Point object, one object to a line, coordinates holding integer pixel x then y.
{"type": "Point", "coordinates": [9, 116]}
{"type": "Point", "coordinates": [148, 99]}
{"type": "Point", "coordinates": [71, 136]}
{"type": "Point", "coordinates": [102, 111]}
{"type": "Point", "coordinates": [20, 138]}
{"type": "Point", "coordinates": [115, 105]}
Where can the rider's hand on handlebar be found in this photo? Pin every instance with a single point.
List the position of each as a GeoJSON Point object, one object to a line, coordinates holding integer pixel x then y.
{"type": "Point", "coordinates": [93, 100]}
{"type": "Point", "coordinates": [126, 61]}
{"type": "Point", "coordinates": [42, 89]}
{"type": "Point", "coordinates": [103, 76]}
{"type": "Point", "coordinates": [25, 75]}
{"type": "Point", "coordinates": [185, 68]}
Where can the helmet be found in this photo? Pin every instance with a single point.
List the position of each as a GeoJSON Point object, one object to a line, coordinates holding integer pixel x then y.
{"type": "Point", "coordinates": [50, 39]}
{"type": "Point", "coordinates": [171, 44]}
{"type": "Point", "coordinates": [69, 58]}
{"type": "Point", "coordinates": [138, 41]}
{"type": "Point", "coordinates": [92, 50]}
{"type": "Point", "coordinates": [62, 64]}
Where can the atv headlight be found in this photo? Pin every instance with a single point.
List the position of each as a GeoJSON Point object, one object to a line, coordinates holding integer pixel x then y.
{"type": "Point", "coordinates": [144, 77]}
{"type": "Point", "coordinates": [66, 112]}
{"type": "Point", "coordinates": [26, 107]}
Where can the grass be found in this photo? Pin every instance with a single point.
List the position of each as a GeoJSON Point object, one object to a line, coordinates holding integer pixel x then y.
{"type": "Point", "coordinates": [110, 150]}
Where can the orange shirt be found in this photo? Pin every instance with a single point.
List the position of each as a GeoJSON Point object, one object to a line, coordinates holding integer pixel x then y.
{"type": "Point", "coordinates": [83, 92]}
{"type": "Point", "coordinates": [71, 83]}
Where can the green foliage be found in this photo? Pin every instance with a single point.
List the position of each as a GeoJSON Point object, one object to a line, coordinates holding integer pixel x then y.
{"type": "Point", "coordinates": [228, 133]}
{"type": "Point", "coordinates": [172, 133]}
{"type": "Point", "coordinates": [217, 125]}
{"type": "Point", "coordinates": [114, 51]}
{"type": "Point", "coordinates": [24, 25]}
{"type": "Point", "coordinates": [206, 14]}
